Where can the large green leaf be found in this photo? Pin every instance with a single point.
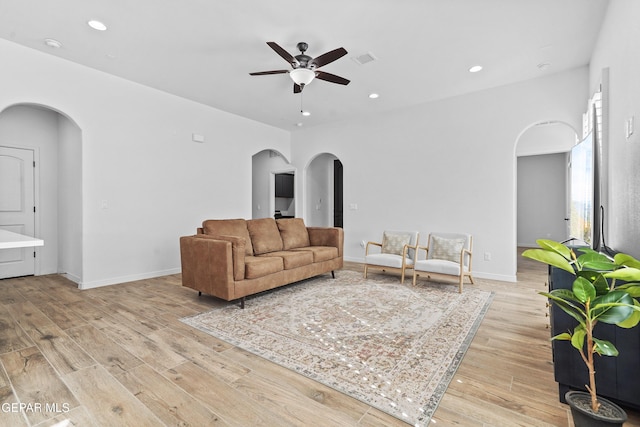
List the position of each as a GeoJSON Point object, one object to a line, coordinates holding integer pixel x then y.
{"type": "Point", "coordinates": [628, 274]}
{"type": "Point", "coordinates": [550, 258]}
{"type": "Point", "coordinates": [565, 294]}
{"type": "Point", "coordinates": [565, 336]}
{"type": "Point", "coordinates": [583, 290]}
{"type": "Point", "coordinates": [600, 283]}
{"type": "Point", "coordinates": [564, 299]}
{"type": "Point", "coordinates": [556, 247]}
{"type": "Point", "coordinates": [628, 260]}
{"type": "Point", "coordinates": [632, 320]}
{"type": "Point", "coordinates": [633, 289]}
{"type": "Point", "coordinates": [613, 308]}
{"type": "Point", "coordinates": [577, 339]}
{"type": "Point", "coordinates": [595, 261]}
{"type": "Point", "coordinates": [604, 348]}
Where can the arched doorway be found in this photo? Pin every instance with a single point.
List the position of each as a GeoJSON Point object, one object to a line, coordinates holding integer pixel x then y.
{"type": "Point", "coordinates": [324, 191]}
{"type": "Point", "coordinates": [542, 181]}
{"type": "Point", "coordinates": [54, 140]}
{"type": "Point", "coordinates": [265, 200]}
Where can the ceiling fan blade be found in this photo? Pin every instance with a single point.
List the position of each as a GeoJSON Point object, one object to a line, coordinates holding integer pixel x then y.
{"type": "Point", "coordinates": [328, 57]}
{"type": "Point", "coordinates": [264, 73]}
{"type": "Point", "coordinates": [297, 88]}
{"type": "Point", "coordinates": [331, 78]}
{"type": "Point", "coordinates": [284, 54]}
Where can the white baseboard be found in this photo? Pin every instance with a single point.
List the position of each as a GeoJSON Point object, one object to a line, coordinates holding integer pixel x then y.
{"type": "Point", "coordinates": [124, 279]}
{"type": "Point", "coordinates": [478, 274]}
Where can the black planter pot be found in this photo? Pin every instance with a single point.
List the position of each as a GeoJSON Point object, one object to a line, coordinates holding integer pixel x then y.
{"type": "Point", "coordinates": [609, 414]}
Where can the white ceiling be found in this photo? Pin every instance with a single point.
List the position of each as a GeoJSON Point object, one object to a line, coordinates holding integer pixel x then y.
{"type": "Point", "coordinates": [204, 50]}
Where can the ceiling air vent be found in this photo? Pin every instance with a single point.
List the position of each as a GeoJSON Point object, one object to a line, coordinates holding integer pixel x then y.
{"type": "Point", "coordinates": [365, 58]}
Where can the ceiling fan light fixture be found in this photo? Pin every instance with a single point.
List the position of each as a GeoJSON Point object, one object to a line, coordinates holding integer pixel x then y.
{"type": "Point", "coordinates": [301, 76]}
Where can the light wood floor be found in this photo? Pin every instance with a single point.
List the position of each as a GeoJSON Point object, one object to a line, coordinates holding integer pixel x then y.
{"type": "Point", "coordinates": [118, 355]}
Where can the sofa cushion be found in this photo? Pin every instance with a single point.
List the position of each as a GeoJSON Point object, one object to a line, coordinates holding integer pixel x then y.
{"type": "Point", "coordinates": [293, 232]}
{"type": "Point", "coordinates": [255, 267]}
{"type": "Point", "coordinates": [321, 253]}
{"type": "Point", "coordinates": [265, 236]}
{"type": "Point", "coordinates": [229, 227]}
{"type": "Point", "coordinates": [293, 259]}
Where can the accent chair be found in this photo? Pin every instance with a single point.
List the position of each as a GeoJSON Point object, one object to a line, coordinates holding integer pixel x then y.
{"type": "Point", "coordinates": [448, 254]}
{"type": "Point", "coordinates": [396, 252]}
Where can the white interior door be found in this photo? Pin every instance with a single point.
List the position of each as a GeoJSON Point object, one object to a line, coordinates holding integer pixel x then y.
{"type": "Point", "coordinates": [17, 208]}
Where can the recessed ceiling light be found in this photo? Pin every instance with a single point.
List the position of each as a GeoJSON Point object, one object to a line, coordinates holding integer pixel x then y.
{"type": "Point", "coordinates": [374, 95]}
{"type": "Point", "coordinates": [306, 113]}
{"type": "Point", "coordinates": [53, 43]}
{"type": "Point", "coordinates": [97, 25]}
{"type": "Point", "coordinates": [475, 68]}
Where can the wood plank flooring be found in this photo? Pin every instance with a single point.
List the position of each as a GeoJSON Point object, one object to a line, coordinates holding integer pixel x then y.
{"type": "Point", "coordinates": [119, 356]}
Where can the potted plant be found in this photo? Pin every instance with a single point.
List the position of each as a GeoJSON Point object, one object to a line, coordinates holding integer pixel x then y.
{"type": "Point", "coordinates": [594, 298]}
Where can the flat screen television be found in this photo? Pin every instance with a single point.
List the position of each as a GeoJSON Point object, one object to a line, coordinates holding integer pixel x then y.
{"type": "Point", "coordinates": [585, 208]}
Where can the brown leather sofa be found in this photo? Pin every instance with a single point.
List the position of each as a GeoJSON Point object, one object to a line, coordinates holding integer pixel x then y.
{"type": "Point", "coordinates": [233, 258]}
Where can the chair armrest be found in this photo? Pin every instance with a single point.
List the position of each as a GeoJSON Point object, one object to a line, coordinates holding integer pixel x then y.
{"type": "Point", "coordinates": [424, 248]}
{"type": "Point", "coordinates": [327, 236]}
{"type": "Point", "coordinates": [462, 254]}
{"type": "Point", "coordinates": [405, 253]}
{"type": "Point", "coordinates": [366, 251]}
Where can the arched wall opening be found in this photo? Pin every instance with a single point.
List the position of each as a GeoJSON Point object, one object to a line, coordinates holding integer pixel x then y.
{"type": "Point", "coordinates": [542, 189]}
{"type": "Point", "coordinates": [56, 142]}
{"type": "Point", "coordinates": [266, 164]}
{"type": "Point", "coordinates": [323, 186]}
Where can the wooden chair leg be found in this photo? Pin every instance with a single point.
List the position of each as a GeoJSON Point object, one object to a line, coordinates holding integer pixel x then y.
{"type": "Point", "coordinates": [460, 284]}
{"type": "Point", "coordinates": [365, 271]}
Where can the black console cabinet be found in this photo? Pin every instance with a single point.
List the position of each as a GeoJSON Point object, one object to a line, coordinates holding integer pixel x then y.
{"type": "Point", "coordinates": [617, 378]}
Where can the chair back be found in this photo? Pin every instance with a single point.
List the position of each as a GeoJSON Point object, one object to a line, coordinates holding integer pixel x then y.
{"type": "Point", "coordinates": [447, 246]}
{"type": "Point", "coordinates": [413, 239]}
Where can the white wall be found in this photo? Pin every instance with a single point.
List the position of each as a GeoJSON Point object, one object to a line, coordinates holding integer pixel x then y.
{"type": "Point", "coordinates": [144, 182]}
{"type": "Point", "coordinates": [444, 166]}
{"type": "Point", "coordinates": [618, 49]}
{"type": "Point", "coordinates": [69, 199]}
{"type": "Point", "coordinates": [542, 198]}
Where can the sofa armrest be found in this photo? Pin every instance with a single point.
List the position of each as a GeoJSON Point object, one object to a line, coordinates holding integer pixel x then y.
{"type": "Point", "coordinates": [327, 236]}
{"type": "Point", "coordinates": [238, 245]}
{"type": "Point", "coordinates": [211, 264]}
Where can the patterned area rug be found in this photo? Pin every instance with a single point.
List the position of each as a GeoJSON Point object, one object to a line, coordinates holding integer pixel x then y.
{"type": "Point", "coordinates": [395, 347]}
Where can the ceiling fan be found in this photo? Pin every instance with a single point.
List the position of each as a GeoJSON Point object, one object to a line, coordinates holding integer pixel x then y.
{"type": "Point", "coordinates": [305, 68]}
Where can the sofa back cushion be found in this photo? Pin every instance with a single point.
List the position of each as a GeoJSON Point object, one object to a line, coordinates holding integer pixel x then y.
{"type": "Point", "coordinates": [265, 236]}
{"type": "Point", "coordinates": [293, 232]}
{"type": "Point", "coordinates": [229, 227]}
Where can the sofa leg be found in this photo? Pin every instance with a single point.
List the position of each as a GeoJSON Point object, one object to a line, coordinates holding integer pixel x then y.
{"type": "Point", "coordinates": [199, 293]}
{"type": "Point", "coordinates": [333, 274]}
{"type": "Point", "coordinates": [242, 303]}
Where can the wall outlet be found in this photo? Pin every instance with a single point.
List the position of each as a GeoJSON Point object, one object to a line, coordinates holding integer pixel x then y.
{"type": "Point", "coordinates": [487, 256]}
